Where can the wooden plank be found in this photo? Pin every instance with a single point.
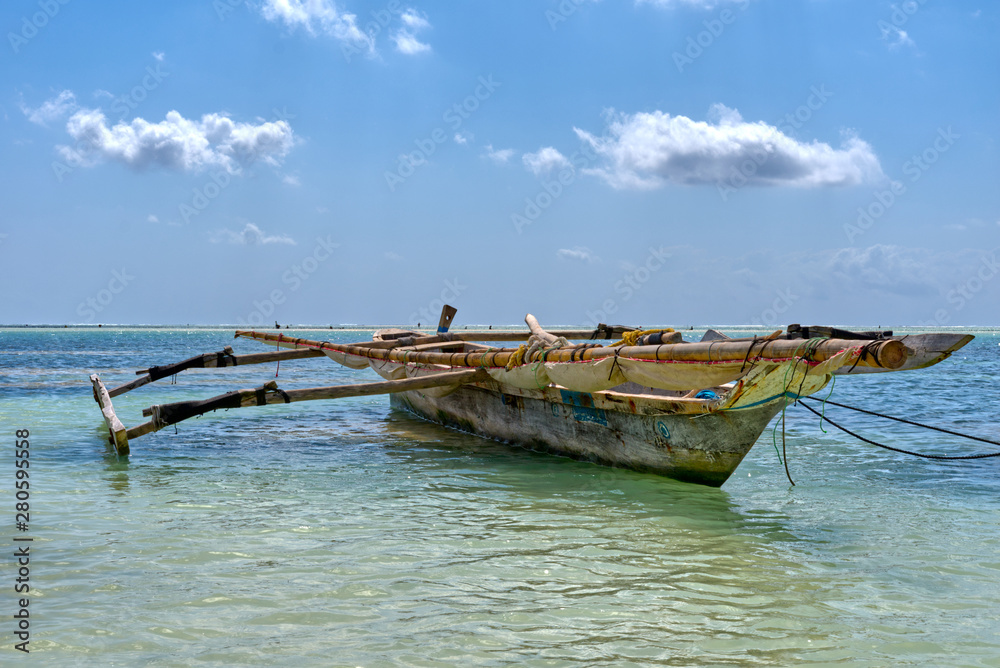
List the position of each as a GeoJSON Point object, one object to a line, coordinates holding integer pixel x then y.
{"type": "Point", "coordinates": [276, 356]}
{"type": "Point", "coordinates": [447, 315]}
{"type": "Point", "coordinates": [142, 429]}
{"type": "Point", "coordinates": [116, 430]}
{"type": "Point", "coordinates": [268, 394]}
{"type": "Point", "coordinates": [443, 346]}
{"type": "Point", "coordinates": [385, 387]}
{"type": "Point", "coordinates": [128, 387]}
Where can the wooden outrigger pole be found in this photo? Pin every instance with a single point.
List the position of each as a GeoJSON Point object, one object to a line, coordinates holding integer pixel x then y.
{"type": "Point", "coordinates": [164, 415]}
{"type": "Point", "coordinates": [220, 359]}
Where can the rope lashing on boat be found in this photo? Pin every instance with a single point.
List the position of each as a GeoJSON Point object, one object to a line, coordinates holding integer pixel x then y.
{"type": "Point", "coordinates": [808, 356]}
{"type": "Point", "coordinates": [602, 331]}
{"type": "Point", "coordinates": [747, 356]}
{"type": "Point", "coordinates": [536, 350]}
{"type": "Point", "coordinates": [560, 342]}
{"type": "Point", "coordinates": [763, 341]}
{"type": "Point", "coordinates": [872, 349]}
{"type": "Point", "coordinates": [484, 360]}
{"type": "Point", "coordinates": [774, 432]}
{"type": "Point", "coordinates": [833, 382]}
{"type": "Point", "coordinates": [517, 357]}
{"type": "Point", "coordinates": [168, 414]}
{"type": "Point", "coordinates": [900, 450]}
{"type": "Point", "coordinates": [632, 338]}
{"type": "Point", "coordinates": [581, 349]}
{"type": "Point", "coordinates": [810, 347]}
{"type": "Point", "coordinates": [753, 362]}
{"type": "Point", "coordinates": [197, 362]}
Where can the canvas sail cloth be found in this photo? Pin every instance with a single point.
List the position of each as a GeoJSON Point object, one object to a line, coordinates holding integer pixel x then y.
{"type": "Point", "coordinates": [398, 371]}
{"type": "Point", "coordinates": [609, 372]}
{"type": "Point", "coordinates": [413, 371]}
{"type": "Point", "coordinates": [676, 375]}
{"type": "Point", "coordinates": [790, 379]}
{"type": "Point", "coordinates": [604, 374]}
{"type": "Point", "coordinates": [350, 361]}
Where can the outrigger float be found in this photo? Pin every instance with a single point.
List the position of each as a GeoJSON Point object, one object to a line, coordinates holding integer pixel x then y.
{"type": "Point", "coordinates": [649, 402]}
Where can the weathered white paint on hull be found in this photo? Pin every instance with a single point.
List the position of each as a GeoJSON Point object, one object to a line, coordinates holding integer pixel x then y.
{"type": "Point", "coordinates": [704, 448]}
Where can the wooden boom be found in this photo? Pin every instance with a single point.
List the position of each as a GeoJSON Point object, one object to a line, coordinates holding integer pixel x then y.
{"type": "Point", "coordinates": [887, 354]}
{"type": "Point", "coordinates": [164, 415]}
{"type": "Point", "coordinates": [223, 358]}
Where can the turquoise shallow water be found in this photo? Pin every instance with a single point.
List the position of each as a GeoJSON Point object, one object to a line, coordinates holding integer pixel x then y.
{"type": "Point", "coordinates": [347, 534]}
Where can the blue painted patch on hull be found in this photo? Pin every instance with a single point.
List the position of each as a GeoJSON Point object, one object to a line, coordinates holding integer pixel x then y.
{"type": "Point", "coordinates": [581, 405]}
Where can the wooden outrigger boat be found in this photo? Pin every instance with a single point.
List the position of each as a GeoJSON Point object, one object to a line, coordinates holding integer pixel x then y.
{"type": "Point", "coordinates": [649, 402]}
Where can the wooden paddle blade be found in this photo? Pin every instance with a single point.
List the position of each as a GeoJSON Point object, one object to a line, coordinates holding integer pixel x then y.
{"type": "Point", "coordinates": [447, 315]}
{"type": "Point", "coordinates": [116, 430]}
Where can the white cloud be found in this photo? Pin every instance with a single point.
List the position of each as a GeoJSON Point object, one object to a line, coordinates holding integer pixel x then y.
{"type": "Point", "coordinates": [291, 180]}
{"type": "Point", "coordinates": [499, 156]}
{"type": "Point", "coordinates": [462, 138]}
{"type": "Point", "coordinates": [51, 110]}
{"type": "Point", "coordinates": [318, 16]}
{"type": "Point", "coordinates": [251, 235]}
{"type": "Point", "coordinates": [390, 255]}
{"type": "Point", "coordinates": [908, 285]}
{"type": "Point", "coordinates": [414, 21]}
{"type": "Point", "coordinates": [152, 219]}
{"type": "Point", "coordinates": [405, 39]}
{"type": "Point", "coordinates": [407, 43]}
{"type": "Point", "coordinates": [176, 142]}
{"type": "Point", "coordinates": [544, 161]}
{"type": "Point", "coordinates": [854, 284]}
{"type": "Point", "coordinates": [579, 253]}
{"type": "Point", "coordinates": [159, 55]}
{"type": "Point", "coordinates": [895, 37]}
{"type": "Point", "coordinates": [893, 270]}
{"type": "Point", "coordinates": [646, 150]}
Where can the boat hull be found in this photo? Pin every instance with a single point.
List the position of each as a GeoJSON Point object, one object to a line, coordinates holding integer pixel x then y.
{"type": "Point", "coordinates": [703, 448]}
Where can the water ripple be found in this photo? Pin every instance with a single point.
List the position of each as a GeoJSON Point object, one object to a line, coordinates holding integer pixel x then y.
{"type": "Point", "coordinates": [347, 534]}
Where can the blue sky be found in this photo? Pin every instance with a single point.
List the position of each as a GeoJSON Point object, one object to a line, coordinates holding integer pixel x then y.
{"type": "Point", "coordinates": [673, 162]}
